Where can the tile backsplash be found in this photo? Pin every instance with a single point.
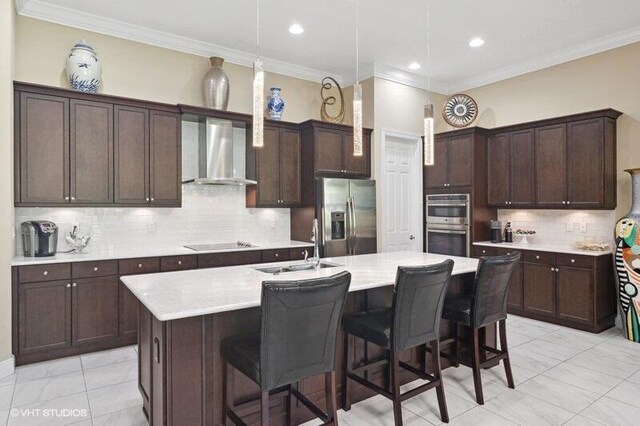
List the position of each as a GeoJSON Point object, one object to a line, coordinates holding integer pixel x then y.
{"type": "Point", "coordinates": [209, 214]}
{"type": "Point", "coordinates": [562, 226]}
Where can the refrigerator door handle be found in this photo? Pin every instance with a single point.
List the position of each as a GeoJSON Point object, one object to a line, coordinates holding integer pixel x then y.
{"type": "Point", "coordinates": [348, 226]}
{"type": "Point", "coordinates": [354, 237]}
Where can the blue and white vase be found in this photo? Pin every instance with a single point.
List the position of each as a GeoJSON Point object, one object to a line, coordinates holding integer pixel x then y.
{"type": "Point", "coordinates": [275, 105]}
{"type": "Point", "coordinates": [84, 70]}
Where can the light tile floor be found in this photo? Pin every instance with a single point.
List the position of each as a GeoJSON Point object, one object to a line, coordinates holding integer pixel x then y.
{"type": "Point", "coordinates": [563, 376]}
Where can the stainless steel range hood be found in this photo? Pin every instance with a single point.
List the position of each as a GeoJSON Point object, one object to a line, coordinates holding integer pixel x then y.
{"type": "Point", "coordinates": [218, 155]}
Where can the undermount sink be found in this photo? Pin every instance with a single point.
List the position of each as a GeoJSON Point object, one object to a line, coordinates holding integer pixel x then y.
{"type": "Point", "coordinates": [294, 267]}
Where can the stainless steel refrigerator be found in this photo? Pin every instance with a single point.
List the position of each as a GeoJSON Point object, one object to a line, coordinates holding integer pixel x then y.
{"type": "Point", "coordinates": [346, 209]}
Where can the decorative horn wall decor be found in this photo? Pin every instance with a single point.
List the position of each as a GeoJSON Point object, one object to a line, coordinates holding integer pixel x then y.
{"type": "Point", "coordinates": [327, 85]}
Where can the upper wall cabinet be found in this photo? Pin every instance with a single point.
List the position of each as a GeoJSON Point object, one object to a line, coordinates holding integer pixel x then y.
{"type": "Point", "coordinates": [79, 149]}
{"type": "Point", "coordinates": [567, 162]}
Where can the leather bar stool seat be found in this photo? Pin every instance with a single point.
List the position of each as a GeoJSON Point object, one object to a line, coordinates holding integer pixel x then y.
{"type": "Point", "coordinates": [298, 331]}
{"type": "Point", "coordinates": [485, 305]}
{"type": "Point", "coordinates": [412, 320]}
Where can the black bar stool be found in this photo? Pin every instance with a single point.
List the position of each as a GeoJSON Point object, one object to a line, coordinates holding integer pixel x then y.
{"type": "Point", "coordinates": [413, 320]}
{"type": "Point", "coordinates": [299, 325]}
{"type": "Point", "coordinates": [485, 305]}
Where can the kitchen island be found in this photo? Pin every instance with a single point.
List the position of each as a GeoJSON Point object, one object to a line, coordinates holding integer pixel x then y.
{"type": "Point", "coordinates": [185, 316]}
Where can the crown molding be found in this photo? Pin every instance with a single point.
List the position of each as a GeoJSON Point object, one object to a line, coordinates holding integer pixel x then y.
{"type": "Point", "coordinates": [599, 45]}
{"type": "Point", "coordinates": [403, 77]}
{"type": "Point", "coordinates": [86, 21]}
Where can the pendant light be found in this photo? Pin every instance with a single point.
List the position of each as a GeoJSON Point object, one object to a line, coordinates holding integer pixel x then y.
{"type": "Point", "coordinates": [357, 98]}
{"type": "Point", "coordinates": [258, 89]}
{"type": "Point", "coordinates": [428, 108]}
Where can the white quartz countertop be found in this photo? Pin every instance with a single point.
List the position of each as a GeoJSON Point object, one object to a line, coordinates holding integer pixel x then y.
{"type": "Point", "coordinates": [93, 253]}
{"type": "Point", "coordinates": [556, 248]}
{"type": "Point", "coordinates": [174, 295]}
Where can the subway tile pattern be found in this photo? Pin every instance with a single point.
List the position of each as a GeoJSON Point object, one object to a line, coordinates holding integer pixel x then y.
{"type": "Point", "coordinates": [209, 214]}
{"type": "Point", "coordinates": [551, 225]}
{"type": "Point", "coordinates": [583, 381]}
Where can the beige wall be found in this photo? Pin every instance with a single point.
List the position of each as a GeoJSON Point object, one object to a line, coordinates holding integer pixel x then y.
{"type": "Point", "coordinates": [6, 173]}
{"type": "Point", "coordinates": [143, 71]}
{"type": "Point", "coordinates": [606, 80]}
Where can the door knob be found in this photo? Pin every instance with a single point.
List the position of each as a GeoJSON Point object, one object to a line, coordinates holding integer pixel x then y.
{"type": "Point", "coordinates": [411, 237]}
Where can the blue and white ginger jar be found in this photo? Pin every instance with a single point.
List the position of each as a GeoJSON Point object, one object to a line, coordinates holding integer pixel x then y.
{"type": "Point", "coordinates": [84, 70]}
{"type": "Point", "coordinates": [275, 105]}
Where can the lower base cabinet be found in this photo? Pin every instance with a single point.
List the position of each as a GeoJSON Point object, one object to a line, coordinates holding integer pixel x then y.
{"type": "Point", "coordinates": [94, 310]}
{"type": "Point", "coordinates": [573, 290]}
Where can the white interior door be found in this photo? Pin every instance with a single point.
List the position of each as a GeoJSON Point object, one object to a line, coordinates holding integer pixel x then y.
{"type": "Point", "coordinates": [402, 193]}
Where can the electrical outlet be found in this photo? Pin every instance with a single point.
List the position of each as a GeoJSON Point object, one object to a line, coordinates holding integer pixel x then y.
{"type": "Point", "coordinates": [583, 226]}
{"type": "Point", "coordinates": [152, 226]}
{"type": "Point", "coordinates": [569, 226]}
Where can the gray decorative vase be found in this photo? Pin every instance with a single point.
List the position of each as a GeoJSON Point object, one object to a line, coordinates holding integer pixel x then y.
{"type": "Point", "coordinates": [216, 85]}
{"type": "Point", "coordinates": [627, 259]}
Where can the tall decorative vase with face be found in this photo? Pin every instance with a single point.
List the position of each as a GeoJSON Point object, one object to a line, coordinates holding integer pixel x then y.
{"type": "Point", "coordinates": [84, 69]}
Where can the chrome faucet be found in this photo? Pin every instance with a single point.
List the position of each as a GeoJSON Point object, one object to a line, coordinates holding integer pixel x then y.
{"type": "Point", "coordinates": [315, 239]}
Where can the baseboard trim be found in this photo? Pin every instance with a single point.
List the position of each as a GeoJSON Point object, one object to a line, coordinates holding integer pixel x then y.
{"type": "Point", "coordinates": [7, 367]}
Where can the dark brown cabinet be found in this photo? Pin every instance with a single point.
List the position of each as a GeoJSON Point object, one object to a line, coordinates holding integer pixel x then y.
{"type": "Point", "coordinates": [94, 310]}
{"type": "Point", "coordinates": [539, 289]}
{"type": "Point", "coordinates": [79, 149]}
{"type": "Point", "coordinates": [515, 297]}
{"type": "Point", "coordinates": [586, 163]}
{"type": "Point", "coordinates": [510, 169]}
{"type": "Point", "coordinates": [44, 316]}
{"type": "Point", "coordinates": [575, 294]}
{"type": "Point", "coordinates": [453, 162]}
{"type": "Point", "coordinates": [276, 167]}
{"type": "Point", "coordinates": [551, 165]}
{"type": "Point", "coordinates": [42, 149]}
{"type": "Point", "coordinates": [91, 152]}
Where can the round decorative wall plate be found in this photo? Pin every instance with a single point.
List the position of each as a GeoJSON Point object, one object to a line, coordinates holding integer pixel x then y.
{"type": "Point", "coordinates": [460, 110]}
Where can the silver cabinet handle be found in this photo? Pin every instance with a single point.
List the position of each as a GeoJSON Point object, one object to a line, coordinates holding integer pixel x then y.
{"type": "Point", "coordinates": [73, 198]}
{"type": "Point", "coordinates": [484, 251]}
{"type": "Point", "coordinates": [139, 265]}
{"type": "Point", "coordinates": [277, 255]}
{"type": "Point", "coordinates": [152, 199]}
{"type": "Point", "coordinates": [508, 253]}
{"type": "Point", "coordinates": [573, 261]}
{"type": "Point", "coordinates": [564, 202]}
{"type": "Point", "coordinates": [66, 198]}
{"type": "Point", "coordinates": [537, 257]}
{"type": "Point", "coordinates": [146, 199]}
{"type": "Point", "coordinates": [557, 270]}
{"type": "Point", "coordinates": [68, 285]}
{"type": "Point", "coordinates": [45, 273]}
{"type": "Point", "coordinates": [553, 269]}
{"type": "Point", "coordinates": [75, 284]}
{"type": "Point", "coordinates": [179, 262]}
{"type": "Point", "coordinates": [95, 269]}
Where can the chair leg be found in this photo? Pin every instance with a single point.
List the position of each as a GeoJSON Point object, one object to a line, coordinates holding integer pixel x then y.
{"type": "Point", "coordinates": [264, 408]}
{"type": "Point", "coordinates": [289, 398]}
{"type": "Point", "coordinates": [437, 373]}
{"type": "Point", "coordinates": [454, 349]}
{"type": "Point", "coordinates": [330, 395]}
{"type": "Point", "coordinates": [346, 397]}
{"type": "Point", "coordinates": [505, 348]}
{"type": "Point", "coordinates": [477, 380]}
{"type": "Point", "coordinates": [395, 380]}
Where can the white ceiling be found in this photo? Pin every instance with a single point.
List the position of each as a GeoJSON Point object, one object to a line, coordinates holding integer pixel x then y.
{"type": "Point", "coordinates": [521, 36]}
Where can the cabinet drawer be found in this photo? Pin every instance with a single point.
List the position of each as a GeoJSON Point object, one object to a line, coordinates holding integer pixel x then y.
{"type": "Point", "coordinates": [505, 251]}
{"type": "Point", "coordinates": [143, 265]}
{"type": "Point", "coordinates": [51, 272]}
{"type": "Point", "coordinates": [539, 257]}
{"type": "Point", "coordinates": [575, 261]}
{"type": "Point", "coordinates": [275, 255]}
{"type": "Point", "coordinates": [299, 253]}
{"type": "Point", "coordinates": [480, 251]}
{"type": "Point", "coordinates": [94, 269]}
{"type": "Point", "coordinates": [178, 263]}
{"type": "Point", "coordinates": [215, 260]}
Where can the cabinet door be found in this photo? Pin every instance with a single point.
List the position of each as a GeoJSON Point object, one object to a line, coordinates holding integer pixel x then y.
{"type": "Point", "coordinates": [514, 301]}
{"type": "Point", "coordinates": [131, 155]}
{"type": "Point", "coordinates": [498, 181]}
{"type": "Point", "coordinates": [44, 149]}
{"type": "Point", "coordinates": [268, 168]}
{"type": "Point", "coordinates": [95, 310]}
{"type": "Point", "coordinates": [551, 165]}
{"type": "Point", "coordinates": [356, 166]}
{"type": "Point", "coordinates": [91, 152]}
{"type": "Point", "coordinates": [165, 164]}
{"type": "Point", "coordinates": [539, 289]}
{"type": "Point", "coordinates": [328, 150]}
{"type": "Point", "coordinates": [436, 176]}
{"type": "Point", "coordinates": [127, 313]}
{"type": "Point", "coordinates": [290, 167]}
{"type": "Point", "coordinates": [522, 169]}
{"type": "Point", "coordinates": [575, 294]}
{"type": "Point", "coordinates": [44, 316]}
{"type": "Point", "coordinates": [460, 161]}
{"type": "Point", "coordinates": [585, 152]}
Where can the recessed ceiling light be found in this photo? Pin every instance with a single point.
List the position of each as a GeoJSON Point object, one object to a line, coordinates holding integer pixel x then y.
{"type": "Point", "coordinates": [476, 42]}
{"type": "Point", "coordinates": [414, 66]}
{"type": "Point", "coordinates": [296, 29]}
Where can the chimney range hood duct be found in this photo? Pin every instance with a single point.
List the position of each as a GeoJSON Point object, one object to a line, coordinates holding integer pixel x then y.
{"type": "Point", "coordinates": [218, 155]}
